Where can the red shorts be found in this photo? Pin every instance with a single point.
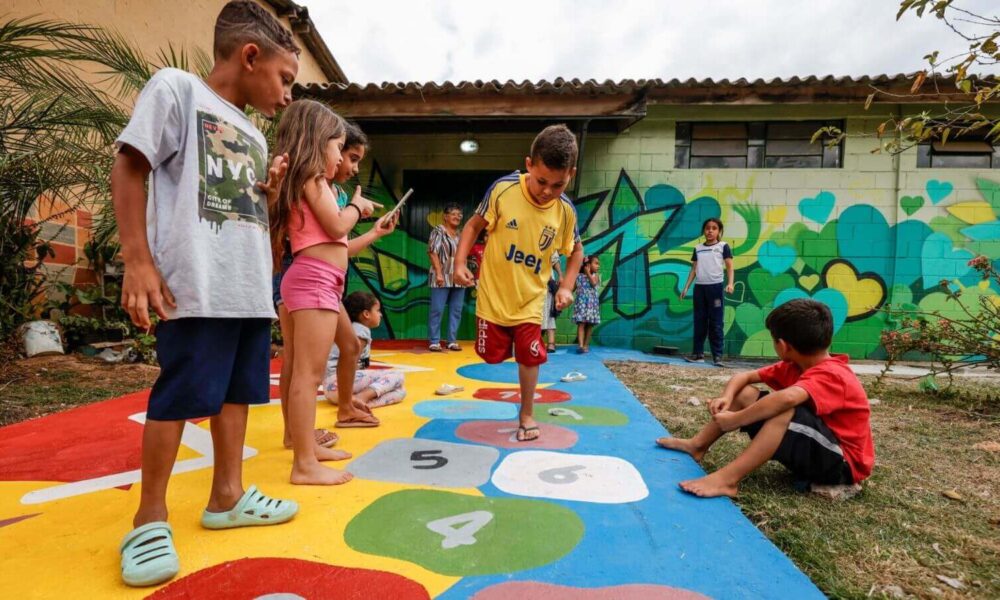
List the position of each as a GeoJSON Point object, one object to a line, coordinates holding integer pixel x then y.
{"type": "Point", "coordinates": [496, 343]}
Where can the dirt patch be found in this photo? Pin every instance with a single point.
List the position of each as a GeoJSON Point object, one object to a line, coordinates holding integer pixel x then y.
{"type": "Point", "coordinates": [34, 387]}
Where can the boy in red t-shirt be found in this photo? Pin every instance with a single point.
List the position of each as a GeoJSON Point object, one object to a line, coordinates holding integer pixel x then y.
{"type": "Point", "coordinates": [816, 422]}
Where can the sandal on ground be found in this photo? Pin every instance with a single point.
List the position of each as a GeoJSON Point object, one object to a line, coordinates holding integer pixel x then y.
{"type": "Point", "coordinates": [359, 421]}
{"type": "Point", "coordinates": [550, 348]}
{"type": "Point", "coordinates": [148, 555]}
{"type": "Point", "coordinates": [254, 508]}
{"type": "Point", "coordinates": [454, 346]}
{"type": "Point", "coordinates": [446, 388]}
{"type": "Point", "coordinates": [435, 348]}
{"type": "Point", "coordinates": [522, 433]}
{"type": "Point", "coordinates": [573, 376]}
{"type": "Point", "coordinates": [326, 439]}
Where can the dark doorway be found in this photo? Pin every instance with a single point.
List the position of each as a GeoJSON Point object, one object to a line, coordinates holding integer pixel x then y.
{"type": "Point", "coordinates": [432, 190]}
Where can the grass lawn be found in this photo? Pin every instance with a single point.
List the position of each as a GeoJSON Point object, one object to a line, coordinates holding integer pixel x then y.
{"type": "Point", "coordinates": [902, 530]}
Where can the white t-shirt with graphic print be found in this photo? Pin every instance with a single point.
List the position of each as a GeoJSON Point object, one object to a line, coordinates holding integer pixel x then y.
{"type": "Point", "coordinates": [206, 220]}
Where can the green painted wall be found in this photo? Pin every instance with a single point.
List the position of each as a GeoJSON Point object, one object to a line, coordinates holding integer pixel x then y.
{"type": "Point", "coordinates": [876, 231]}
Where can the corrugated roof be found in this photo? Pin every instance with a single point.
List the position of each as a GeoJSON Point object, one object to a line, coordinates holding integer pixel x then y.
{"type": "Point", "coordinates": [592, 86]}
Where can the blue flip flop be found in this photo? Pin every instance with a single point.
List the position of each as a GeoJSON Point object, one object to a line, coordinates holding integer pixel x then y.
{"type": "Point", "coordinates": [254, 508]}
{"type": "Point", "coordinates": [148, 555]}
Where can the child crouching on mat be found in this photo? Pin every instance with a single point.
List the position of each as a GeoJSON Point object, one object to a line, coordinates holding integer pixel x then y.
{"type": "Point", "coordinates": [373, 387]}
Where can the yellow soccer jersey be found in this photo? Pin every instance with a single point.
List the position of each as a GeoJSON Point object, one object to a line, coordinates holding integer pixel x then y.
{"type": "Point", "coordinates": [517, 260]}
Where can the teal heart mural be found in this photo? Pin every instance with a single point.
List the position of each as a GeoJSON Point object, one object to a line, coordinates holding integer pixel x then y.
{"type": "Point", "coordinates": [830, 297]}
{"type": "Point", "coordinates": [938, 190]}
{"type": "Point", "coordinates": [867, 242]}
{"type": "Point", "coordinates": [940, 260]}
{"type": "Point", "coordinates": [819, 207]}
{"type": "Point", "coordinates": [911, 204]}
{"type": "Point", "coordinates": [764, 287]}
{"type": "Point", "coordinates": [776, 259]}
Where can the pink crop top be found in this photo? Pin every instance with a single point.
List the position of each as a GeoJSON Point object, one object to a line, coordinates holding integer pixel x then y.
{"type": "Point", "coordinates": [307, 231]}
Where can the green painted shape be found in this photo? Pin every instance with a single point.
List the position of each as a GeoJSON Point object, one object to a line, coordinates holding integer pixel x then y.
{"type": "Point", "coordinates": [911, 204]}
{"type": "Point", "coordinates": [951, 226]}
{"type": "Point", "coordinates": [625, 201]}
{"type": "Point", "coordinates": [750, 319]}
{"type": "Point", "coordinates": [759, 344]}
{"type": "Point", "coordinates": [764, 286]}
{"type": "Point", "coordinates": [991, 193]}
{"type": "Point", "coordinates": [813, 248]}
{"type": "Point", "coordinates": [591, 415]}
{"type": "Point", "coordinates": [396, 526]}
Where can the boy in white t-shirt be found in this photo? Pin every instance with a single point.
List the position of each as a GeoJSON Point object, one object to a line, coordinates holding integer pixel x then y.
{"type": "Point", "coordinates": [198, 254]}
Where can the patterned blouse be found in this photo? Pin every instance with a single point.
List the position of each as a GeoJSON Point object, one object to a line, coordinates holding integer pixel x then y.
{"type": "Point", "coordinates": [444, 246]}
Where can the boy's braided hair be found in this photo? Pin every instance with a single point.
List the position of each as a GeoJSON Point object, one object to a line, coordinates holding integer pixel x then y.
{"type": "Point", "coordinates": [245, 22]}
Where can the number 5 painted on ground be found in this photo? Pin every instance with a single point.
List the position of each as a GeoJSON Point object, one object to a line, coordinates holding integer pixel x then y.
{"type": "Point", "coordinates": [431, 455]}
{"type": "Point", "coordinates": [470, 522]}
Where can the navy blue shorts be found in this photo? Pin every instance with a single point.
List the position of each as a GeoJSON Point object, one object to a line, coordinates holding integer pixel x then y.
{"type": "Point", "coordinates": [207, 362]}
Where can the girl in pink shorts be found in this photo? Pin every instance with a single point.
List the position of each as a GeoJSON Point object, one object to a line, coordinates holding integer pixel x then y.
{"type": "Point", "coordinates": [312, 138]}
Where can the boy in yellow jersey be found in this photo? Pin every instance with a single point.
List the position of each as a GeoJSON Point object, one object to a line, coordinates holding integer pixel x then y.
{"type": "Point", "coordinates": [528, 218]}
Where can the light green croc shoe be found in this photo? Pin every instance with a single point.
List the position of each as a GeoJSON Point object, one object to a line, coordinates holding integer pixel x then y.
{"type": "Point", "coordinates": [148, 555]}
{"type": "Point", "coordinates": [254, 508]}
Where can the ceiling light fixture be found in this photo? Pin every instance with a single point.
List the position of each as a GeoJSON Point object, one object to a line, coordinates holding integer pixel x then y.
{"type": "Point", "coordinates": [468, 146]}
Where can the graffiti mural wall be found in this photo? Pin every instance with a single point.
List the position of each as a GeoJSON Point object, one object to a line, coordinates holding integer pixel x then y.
{"type": "Point", "coordinates": [847, 242]}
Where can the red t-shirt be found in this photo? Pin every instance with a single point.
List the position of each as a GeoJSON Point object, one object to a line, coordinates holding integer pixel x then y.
{"type": "Point", "coordinates": [839, 401]}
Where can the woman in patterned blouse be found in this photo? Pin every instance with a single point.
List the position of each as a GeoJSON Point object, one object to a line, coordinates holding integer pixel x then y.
{"type": "Point", "coordinates": [441, 247]}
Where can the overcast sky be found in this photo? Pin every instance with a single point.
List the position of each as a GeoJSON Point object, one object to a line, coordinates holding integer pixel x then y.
{"type": "Point", "coordinates": [440, 40]}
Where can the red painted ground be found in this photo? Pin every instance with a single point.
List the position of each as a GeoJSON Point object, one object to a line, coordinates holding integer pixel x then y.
{"type": "Point", "coordinates": [255, 577]}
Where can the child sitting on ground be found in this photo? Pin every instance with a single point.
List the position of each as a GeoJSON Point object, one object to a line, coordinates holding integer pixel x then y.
{"type": "Point", "coordinates": [816, 422]}
{"type": "Point", "coordinates": [373, 387]}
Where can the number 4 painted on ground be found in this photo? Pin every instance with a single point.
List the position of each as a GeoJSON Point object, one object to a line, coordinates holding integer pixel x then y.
{"type": "Point", "coordinates": [470, 522]}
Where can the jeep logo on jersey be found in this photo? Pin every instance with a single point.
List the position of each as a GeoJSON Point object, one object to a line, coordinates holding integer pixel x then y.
{"type": "Point", "coordinates": [548, 235]}
{"type": "Point", "coordinates": [520, 258]}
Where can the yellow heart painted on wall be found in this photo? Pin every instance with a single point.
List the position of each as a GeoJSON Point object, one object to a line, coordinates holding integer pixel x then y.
{"type": "Point", "coordinates": [864, 294]}
{"type": "Point", "coordinates": [809, 281]}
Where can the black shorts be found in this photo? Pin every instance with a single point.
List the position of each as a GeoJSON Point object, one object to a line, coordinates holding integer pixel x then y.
{"type": "Point", "coordinates": [809, 449]}
{"type": "Point", "coordinates": [205, 363]}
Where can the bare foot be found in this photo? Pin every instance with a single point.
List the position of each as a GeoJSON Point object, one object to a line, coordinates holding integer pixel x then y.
{"type": "Point", "coordinates": [710, 486]}
{"type": "Point", "coordinates": [683, 445]}
{"type": "Point", "coordinates": [317, 474]}
{"type": "Point", "coordinates": [324, 454]}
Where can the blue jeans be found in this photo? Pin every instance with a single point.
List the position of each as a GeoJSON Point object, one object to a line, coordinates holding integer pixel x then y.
{"type": "Point", "coordinates": [708, 319]}
{"type": "Point", "coordinates": [454, 297]}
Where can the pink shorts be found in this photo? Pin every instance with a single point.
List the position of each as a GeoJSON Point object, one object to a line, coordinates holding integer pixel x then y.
{"type": "Point", "coordinates": [312, 283]}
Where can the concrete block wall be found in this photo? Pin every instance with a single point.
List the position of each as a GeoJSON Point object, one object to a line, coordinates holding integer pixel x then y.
{"type": "Point", "coordinates": [876, 232]}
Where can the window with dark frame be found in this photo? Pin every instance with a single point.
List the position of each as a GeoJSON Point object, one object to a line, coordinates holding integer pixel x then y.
{"type": "Point", "coordinates": [969, 151]}
{"type": "Point", "coordinates": [755, 145]}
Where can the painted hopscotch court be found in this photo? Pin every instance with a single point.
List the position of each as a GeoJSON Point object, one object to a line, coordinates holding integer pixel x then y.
{"type": "Point", "coordinates": [445, 504]}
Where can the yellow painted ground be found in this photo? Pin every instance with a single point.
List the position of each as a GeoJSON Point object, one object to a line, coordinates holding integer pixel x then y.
{"type": "Point", "coordinates": [71, 549]}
